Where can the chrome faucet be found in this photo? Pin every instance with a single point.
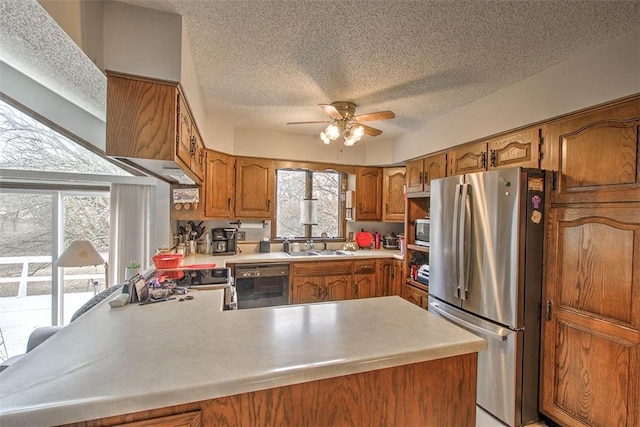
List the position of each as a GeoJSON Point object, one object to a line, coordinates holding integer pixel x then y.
{"type": "Point", "coordinates": [324, 247]}
{"type": "Point", "coordinates": [310, 244]}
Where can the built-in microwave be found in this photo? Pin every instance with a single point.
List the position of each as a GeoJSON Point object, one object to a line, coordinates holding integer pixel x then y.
{"type": "Point", "coordinates": [422, 236]}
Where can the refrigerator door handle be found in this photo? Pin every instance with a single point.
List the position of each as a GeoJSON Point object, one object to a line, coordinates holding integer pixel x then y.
{"type": "Point", "coordinates": [500, 335]}
{"type": "Point", "coordinates": [454, 239]}
{"type": "Point", "coordinates": [464, 244]}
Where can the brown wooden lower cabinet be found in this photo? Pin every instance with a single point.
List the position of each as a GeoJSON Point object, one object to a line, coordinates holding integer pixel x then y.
{"type": "Point", "coordinates": [437, 393]}
{"type": "Point", "coordinates": [590, 371]}
{"type": "Point", "coordinates": [416, 295]}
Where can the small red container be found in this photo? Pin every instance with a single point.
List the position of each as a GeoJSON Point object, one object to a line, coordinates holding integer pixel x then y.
{"type": "Point", "coordinates": [167, 260]}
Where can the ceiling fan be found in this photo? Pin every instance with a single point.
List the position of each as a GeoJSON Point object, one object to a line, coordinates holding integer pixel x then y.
{"type": "Point", "coordinates": [345, 122]}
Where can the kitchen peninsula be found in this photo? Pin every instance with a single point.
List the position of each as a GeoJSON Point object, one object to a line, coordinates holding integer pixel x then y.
{"type": "Point", "coordinates": [359, 362]}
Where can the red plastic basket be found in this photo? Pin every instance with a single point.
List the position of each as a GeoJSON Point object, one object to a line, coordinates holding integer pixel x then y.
{"type": "Point", "coordinates": [167, 260]}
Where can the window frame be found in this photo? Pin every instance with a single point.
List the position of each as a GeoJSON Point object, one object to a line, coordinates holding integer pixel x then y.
{"type": "Point", "coordinates": [341, 216]}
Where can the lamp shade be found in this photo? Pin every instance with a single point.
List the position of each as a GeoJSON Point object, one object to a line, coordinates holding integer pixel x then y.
{"type": "Point", "coordinates": [78, 254]}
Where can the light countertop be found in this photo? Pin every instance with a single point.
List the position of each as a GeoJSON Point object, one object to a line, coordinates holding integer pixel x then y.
{"type": "Point", "coordinates": [256, 257]}
{"type": "Point", "coordinates": [120, 360]}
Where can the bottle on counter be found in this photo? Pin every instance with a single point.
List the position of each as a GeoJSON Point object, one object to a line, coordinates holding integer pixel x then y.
{"type": "Point", "coordinates": [285, 245]}
{"type": "Point", "coordinates": [377, 240]}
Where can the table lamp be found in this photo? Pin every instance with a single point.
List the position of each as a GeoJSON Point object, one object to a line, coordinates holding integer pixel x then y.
{"type": "Point", "coordinates": [80, 253]}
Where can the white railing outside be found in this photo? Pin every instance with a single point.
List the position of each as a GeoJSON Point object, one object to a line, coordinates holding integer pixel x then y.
{"type": "Point", "coordinates": [24, 278]}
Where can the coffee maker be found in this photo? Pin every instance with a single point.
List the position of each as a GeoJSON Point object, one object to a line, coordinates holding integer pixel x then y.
{"type": "Point", "coordinates": [224, 241]}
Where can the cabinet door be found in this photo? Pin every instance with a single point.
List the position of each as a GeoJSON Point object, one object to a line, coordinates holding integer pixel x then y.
{"type": "Point", "coordinates": [415, 176]}
{"type": "Point", "coordinates": [307, 289]}
{"type": "Point", "coordinates": [218, 188]}
{"type": "Point", "coordinates": [468, 159]}
{"type": "Point", "coordinates": [393, 194]}
{"type": "Point", "coordinates": [337, 288]}
{"type": "Point", "coordinates": [517, 149]}
{"type": "Point", "coordinates": [415, 296]}
{"type": "Point", "coordinates": [385, 278]}
{"type": "Point", "coordinates": [590, 370]}
{"type": "Point", "coordinates": [254, 188]}
{"type": "Point", "coordinates": [198, 159]}
{"type": "Point", "coordinates": [434, 167]}
{"type": "Point", "coordinates": [398, 277]}
{"type": "Point", "coordinates": [184, 143]}
{"type": "Point", "coordinates": [597, 155]}
{"type": "Point", "coordinates": [368, 194]}
{"type": "Point", "coordinates": [364, 286]}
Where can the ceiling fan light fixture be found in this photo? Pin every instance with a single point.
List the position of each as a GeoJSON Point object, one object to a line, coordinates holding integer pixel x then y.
{"type": "Point", "coordinates": [332, 131]}
{"type": "Point", "coordinates": [357, 131]}
{"type": "Point", "coordinates": [325, 138]}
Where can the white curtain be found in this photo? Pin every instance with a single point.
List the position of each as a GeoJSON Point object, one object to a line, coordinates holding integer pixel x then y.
{"type": "Point", "coordinates": [132, 228]}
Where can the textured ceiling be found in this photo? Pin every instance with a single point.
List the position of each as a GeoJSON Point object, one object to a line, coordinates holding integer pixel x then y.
{"type": "Point", "coordinates": [261, 64]}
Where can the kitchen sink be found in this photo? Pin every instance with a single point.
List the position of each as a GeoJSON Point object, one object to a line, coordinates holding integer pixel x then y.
{"type": "Point", "coordinates": [303, 253]}
{"type": "Point", "coordinates": [327, 252]}
{"type": "Point", "coordinates": [333, 252]}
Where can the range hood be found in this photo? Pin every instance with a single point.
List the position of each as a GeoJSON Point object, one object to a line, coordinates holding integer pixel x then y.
{"type": "Point", "coordinates": [178, 175]}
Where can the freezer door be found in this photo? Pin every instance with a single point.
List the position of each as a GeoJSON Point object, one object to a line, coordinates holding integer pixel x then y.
{"type": "Point", "coordinates": [494, 201]}
{"type": "Point", "coordinates": [443, 252]}
{"type": "Point", "coordinates": [498, 392]}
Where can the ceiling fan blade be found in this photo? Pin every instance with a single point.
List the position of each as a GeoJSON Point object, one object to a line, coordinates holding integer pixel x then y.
{"type": "Point", "coordinates": [307, 123]}
{"type": "Point", "coordinates": [371, 131]}
{"type": "Point", "coordinates": [331, 111]}
{"type": "Point", "coordinates": [379, 115]}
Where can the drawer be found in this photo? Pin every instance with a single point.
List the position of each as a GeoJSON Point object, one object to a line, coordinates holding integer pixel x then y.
{"type": "Point", "coordinates": [366, 266]}
{"type": "Point", "coordinates": [322, 268]}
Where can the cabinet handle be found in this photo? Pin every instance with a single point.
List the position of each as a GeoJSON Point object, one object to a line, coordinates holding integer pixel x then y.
{"type": "Point", "coordinates": [483, 160]}
{"type": "Point", "coordinates": [421, 177]}
{"type": "Point", "coordinates": [548, 310]}
{"type": "Point", "coordinates": [355, 290]}
{"type": "Point", "coordinates": [269, 204]}
{"type": "Point", "coordinates": [192, 150]}
{"type": "Point", "coordinates": [493, 158]}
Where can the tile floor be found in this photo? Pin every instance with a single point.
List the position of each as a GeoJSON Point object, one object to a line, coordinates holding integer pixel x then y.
{"type": "Point", "coordinates": [484, 419]}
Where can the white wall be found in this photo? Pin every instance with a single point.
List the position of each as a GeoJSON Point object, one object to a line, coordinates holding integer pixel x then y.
{"type": "Point", "coordinates": [606, 73]}
{"type": "Point", "coordinates": [142, 41]}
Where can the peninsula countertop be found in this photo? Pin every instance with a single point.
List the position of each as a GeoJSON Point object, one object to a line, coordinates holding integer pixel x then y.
{"type": "Point", "coordinates": [120, 360]}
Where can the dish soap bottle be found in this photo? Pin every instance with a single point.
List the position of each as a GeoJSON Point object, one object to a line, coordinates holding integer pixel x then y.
{"type": "Point", "coordinates": [377, 240]}
{"type": "Point", "coordinates": [285, 245]}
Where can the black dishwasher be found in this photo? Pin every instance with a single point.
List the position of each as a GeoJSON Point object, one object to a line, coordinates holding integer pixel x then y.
{"type": "Point", "coordinates": [262, 285]}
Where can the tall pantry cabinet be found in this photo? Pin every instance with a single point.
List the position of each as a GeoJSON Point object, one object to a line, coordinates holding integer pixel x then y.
{"type": "Point", "coordinates": [590, 361]}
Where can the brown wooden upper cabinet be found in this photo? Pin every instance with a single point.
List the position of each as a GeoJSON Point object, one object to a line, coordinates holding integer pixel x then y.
{"type": "Point", "coordinates": [219, 199]}
{"type": "Point", "coordinates": [596, 155]}
{"type": "Point", "coordinates": [149, 119]}
{"type": "Point", "coordinates": [515, 149]}
{"type": "Point", "coordinates": [393, 195]}
{"type": "Point", "coordinates": [420, 172]}
{"type": "Point", "coordinates": [520, 148]}
{"type": "Point", "coordinates": [468, 159]}
{"type": "Point", "coordinates": [368, 206]}
{"type": "Point", "coordinates": [254, 188]}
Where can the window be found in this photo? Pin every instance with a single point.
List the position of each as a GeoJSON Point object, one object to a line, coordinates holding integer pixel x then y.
{"type": "Point", "coordinates": [293, 187]}
{"type": "Point", "coordinates": [38, 215]}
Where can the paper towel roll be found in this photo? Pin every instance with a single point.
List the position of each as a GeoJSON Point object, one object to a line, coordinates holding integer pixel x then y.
{"type": "Point", "coordinates": [251, 225]}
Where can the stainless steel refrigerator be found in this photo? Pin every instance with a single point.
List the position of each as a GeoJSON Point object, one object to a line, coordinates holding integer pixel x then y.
{"type": "Point", "coordinates": [485, 264]}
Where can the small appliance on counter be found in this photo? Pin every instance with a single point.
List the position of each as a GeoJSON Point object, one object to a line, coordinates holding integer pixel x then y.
{"type": "Point", "coordinates": [390, 241]}
{"type": "Point", "coordinates": [224, 241]}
